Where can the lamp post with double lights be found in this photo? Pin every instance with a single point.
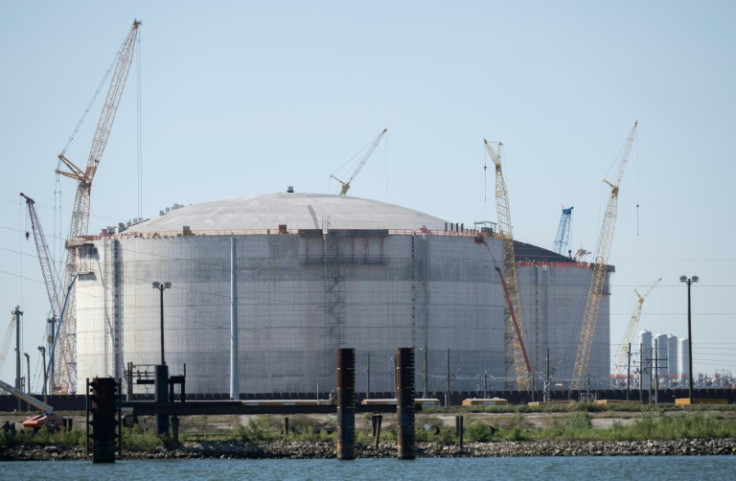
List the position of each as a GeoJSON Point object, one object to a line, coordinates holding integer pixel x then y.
{"type": "Point", "coordinates": [162, 371]}
{"type": "Point", "coordinates": [689, 281]}
{"type": "Point", "coordinates": [162, 287]}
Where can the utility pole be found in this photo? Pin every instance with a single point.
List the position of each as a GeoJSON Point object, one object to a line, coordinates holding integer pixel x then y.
{"type": "Point", "coordinates": [656, 372]}
{"type": "Point", "coordinates": [426, 376]}
{"type": "Point", "coordinates": [546, 383]}
{"type": "Point", "coordinates": [28, 371]}
{"type": "Point", "coordinates": [654, 376]}
{"type": "Point", "coordinates": [17, 313]}
{"type": "Point", "coordinates": [368, 377]}
{"type": "Point", "coordinates": [45, 374]}
{"type": "Point", "coordinates": [628, 373]}
{"type": "Point", "coordinates": [641, 372]}
{"type": "Point", "coordinates": [447, 392]}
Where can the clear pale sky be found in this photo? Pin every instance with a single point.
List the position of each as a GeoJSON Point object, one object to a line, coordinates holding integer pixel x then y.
{"type": "Point", "coordinates": [250, 97]}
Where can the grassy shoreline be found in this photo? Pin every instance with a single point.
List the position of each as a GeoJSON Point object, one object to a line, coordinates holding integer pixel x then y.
{"type": "Point", "coordinates": [574, 422]}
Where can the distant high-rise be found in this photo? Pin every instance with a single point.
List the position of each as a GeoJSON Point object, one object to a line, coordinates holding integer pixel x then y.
{"type": "Point", "coordinates": [684, 359]}
{"type": "Point", "coordinates": [645, 340]}
{"type": "Point", "coordinates": [672, 357]}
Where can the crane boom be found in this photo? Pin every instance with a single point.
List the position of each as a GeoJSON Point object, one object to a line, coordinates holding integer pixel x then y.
{"type": "Point", "coordinates": [79, 223]}
{"type": "Point", "coordinates": [600, 268]}
{"type": "Point", "coordinates": [513, 322]}
{"type": "Point", "coordinates": [44, 258]}
{"type": "Point", "coordinates": [631, 328]}
{"type": "Point", "coordinates": [368, 153]}
{"type": "Point", "coordinates": [27, 398]}
{"type": "Point", "coordinates": [7, 340]}
{"type": "Point", "coordinates": [563, 232]}
{"type": "Point", "coordinates": [510, 306]}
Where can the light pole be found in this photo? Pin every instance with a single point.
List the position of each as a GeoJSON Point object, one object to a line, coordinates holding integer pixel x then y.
{"type": "Point", "coordinates": [162, 371]}
{"type": "Point", "coordinates": [689, 282]}
{"type": "Point", "coordinates": [162, 287]}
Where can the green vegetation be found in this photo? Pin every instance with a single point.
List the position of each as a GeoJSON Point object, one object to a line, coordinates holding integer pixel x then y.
{"type": "Point", "coordinates": [43, 437]}
{"type": "Point", "coordinates": [563, 422]}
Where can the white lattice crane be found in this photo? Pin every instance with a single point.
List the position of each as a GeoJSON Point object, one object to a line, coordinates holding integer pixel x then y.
{"type": "Point", "coordinates": [7, 339]}
{"type": "Point", "coordinates": [368, 153]}
{"type": "Point", "coordinates": [66, 382]}
{"type": "Point", "coordinates": [600, 268]}
{"type": "Point", "coordinates": [44, 258]}
{"type": "Point", "coordinates": [512, 325]}
{"type": "Point", "coordinates": [631, 329]}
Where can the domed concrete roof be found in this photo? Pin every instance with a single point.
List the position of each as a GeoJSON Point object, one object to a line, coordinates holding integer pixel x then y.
{"type": "Point", "coordinates": [296, 211]}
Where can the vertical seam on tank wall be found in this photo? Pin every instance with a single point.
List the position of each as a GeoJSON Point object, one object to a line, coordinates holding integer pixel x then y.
{"type": "Point", "coordinates": [117, 313]}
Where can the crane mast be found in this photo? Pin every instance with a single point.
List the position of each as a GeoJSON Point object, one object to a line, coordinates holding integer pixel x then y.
{"type": "Point", "coordinates": [79, 223]}
{"type": "Point", "coordinates": [600, 268]}
{"type": "Point", "coordinates": [562, 239]}
{"type": "Point", "coordinates": [631, 328]}
{"type": "Point", "coordinates": [346, 185]}
{"type": "Point", "coordinates": [513, 323]}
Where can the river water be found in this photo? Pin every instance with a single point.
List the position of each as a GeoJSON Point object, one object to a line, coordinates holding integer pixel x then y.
{"type": "Point", "coordinates": [580, 468]}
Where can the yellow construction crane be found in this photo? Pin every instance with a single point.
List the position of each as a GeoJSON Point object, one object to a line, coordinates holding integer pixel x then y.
{"type": "Point", "coordinates": [600, 268]}
{"type": "Point", "coordinates": [621, 362]}
{"type": "Point", "coordinates": [373, 145]}
{"type": "Point", "coordinates": [512, 284]}
{"type": "Point", "coordinates": [80, 215]}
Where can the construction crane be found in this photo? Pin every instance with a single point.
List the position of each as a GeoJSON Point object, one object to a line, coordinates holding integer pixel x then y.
{"type": "Point", "coordinates": [80, 215]}
{"type": "Point", "coordinates": [600, 268]}
{"type": "Point", "coordinates": [7, 340]}
{"type": "Point", "coordinates": [562, 239]}
{"type": "Point", "coordinates": [512, 322]}
{"type": "Point", "coordinates": [44, 258]}
{"type": "Point", "coordinates": [621, 362]}
{"type": "Point", "coordinates": [373, 145]}
{"type": "Point", "coordinates": [480, 239]}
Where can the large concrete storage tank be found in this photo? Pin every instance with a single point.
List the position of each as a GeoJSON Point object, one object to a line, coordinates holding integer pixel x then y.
{"type": "Point", "coordinates": [316, 272]}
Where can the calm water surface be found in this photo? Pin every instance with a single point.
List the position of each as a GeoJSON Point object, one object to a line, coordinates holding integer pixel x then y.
{"type": "Point", "coordinates": [561, 468]}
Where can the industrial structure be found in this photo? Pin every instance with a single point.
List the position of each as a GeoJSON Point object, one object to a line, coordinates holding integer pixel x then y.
{"type": "Point", "coordinates": [65, 375]}
{"type": "Point", "coordinates": [312, 273]}
{"type": "Point", "coordinates": [600, 274]}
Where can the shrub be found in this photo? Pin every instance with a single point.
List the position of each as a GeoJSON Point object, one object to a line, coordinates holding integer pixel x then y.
{"type": "Point", "coordinates": [516, 434]}
{"type": "Point", "coordinates": [480, 433]}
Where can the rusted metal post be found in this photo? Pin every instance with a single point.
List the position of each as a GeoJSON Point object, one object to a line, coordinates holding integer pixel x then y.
{"type": "Point", "coordinates": [376, 420]}
{"type": "Point", "coordinates": [346, 403]}
{"type": "Point", "coordinates": [104, 402]}
{"type": "Point", "coordinates": [405, 438]}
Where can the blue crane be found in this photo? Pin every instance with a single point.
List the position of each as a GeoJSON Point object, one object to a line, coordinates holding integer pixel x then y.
{"type": "Point", "coordinates": [562, 239]}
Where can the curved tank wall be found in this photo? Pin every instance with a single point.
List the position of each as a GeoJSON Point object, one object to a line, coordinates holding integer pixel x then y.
{"type": "Point", "coordinates": [305, 292]}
